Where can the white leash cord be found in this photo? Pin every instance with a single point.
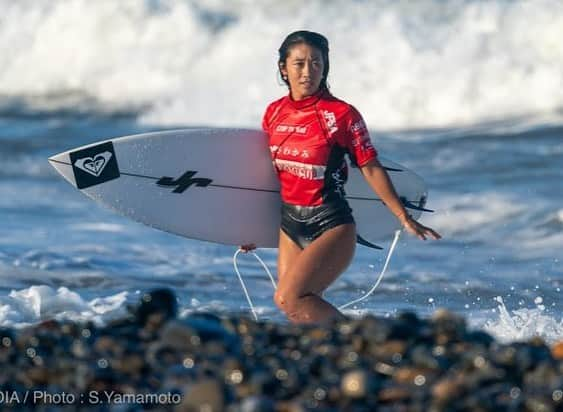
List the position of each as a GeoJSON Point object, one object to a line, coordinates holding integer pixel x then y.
{"type": "Point", "coordinates": [242, 281]}
{"type": "Point", "coordinates": [379, 279]}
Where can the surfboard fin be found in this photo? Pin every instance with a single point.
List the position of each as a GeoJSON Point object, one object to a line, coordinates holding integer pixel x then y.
{"type": "Point", "coordinates": [410, 205]}
{"type": "Point", "coordinates": [392, 169]}
{"type": "Point", "coordinates": [364, 242]}
{"type": "Point", "coordinates": [387, 168]}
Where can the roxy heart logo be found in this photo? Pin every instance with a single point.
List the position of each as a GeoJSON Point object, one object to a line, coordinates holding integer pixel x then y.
{"type": "Point", "coordinates": [95, 166]}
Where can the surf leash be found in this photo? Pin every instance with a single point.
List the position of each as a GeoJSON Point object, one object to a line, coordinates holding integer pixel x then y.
{"type": "Point", "coordinates": [355, 301]}
{"type": "Point", "coordinates": [380, 278]}
{"type": "Point", "coordinates": [242, 281]}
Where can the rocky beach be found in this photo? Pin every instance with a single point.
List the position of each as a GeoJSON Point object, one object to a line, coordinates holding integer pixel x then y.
{"type": "Point", "coordinates": [153, 360]}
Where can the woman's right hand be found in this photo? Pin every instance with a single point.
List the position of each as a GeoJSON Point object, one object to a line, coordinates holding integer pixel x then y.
{"type": "Point", "coordinates": [247, 247]}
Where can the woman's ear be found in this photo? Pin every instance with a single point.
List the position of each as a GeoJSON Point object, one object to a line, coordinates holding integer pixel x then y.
{"type": "Point", "coordinates": [283, 70]}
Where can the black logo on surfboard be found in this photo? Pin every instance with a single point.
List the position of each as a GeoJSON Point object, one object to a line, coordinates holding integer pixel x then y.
{"type": "Point", "coordinates": [94, 165]}
{"type": "Point", "coordinates": [184, 181]}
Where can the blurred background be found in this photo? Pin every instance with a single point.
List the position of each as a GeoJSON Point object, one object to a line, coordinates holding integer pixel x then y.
{"type": "Point", "coordinates": [466, 93]}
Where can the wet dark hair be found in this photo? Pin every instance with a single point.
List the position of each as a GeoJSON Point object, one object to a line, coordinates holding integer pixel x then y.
{"type": "Point", "coordinates": [310, 38]}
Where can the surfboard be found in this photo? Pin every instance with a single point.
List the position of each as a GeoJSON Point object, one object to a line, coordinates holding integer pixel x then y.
{"type": "Point", "coordinates": [215, 184]}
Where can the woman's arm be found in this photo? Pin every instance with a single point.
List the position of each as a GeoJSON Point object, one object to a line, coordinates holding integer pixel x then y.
{"type": "Point", "coordinates": [378, 179]}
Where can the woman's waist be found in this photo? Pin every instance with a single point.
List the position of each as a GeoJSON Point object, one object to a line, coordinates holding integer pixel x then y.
{"type": "Point", "coordinates": [300, 211]}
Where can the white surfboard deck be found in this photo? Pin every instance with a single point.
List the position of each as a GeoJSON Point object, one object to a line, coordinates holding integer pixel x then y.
{"type": "Point", "coordinates": [213, 184]}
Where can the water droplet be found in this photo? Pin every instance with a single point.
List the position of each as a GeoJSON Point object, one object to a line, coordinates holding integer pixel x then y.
{"type": "Point", "coordinates": [538, 300]}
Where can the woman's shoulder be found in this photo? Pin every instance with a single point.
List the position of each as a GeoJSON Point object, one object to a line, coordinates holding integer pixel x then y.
{"type": "Point", "coordinates": [336, 104]}
{"type": "Point", "coordinates": [277, 102]}
{"type": "Point", "coordinates": [274, 107]}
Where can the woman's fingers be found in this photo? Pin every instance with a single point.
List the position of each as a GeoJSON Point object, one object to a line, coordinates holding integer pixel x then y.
{"type": "Point", "coordinates": [435, 235]}
{"type": "Point", "coordinates": [421, 231]}
{"type": "Point", "coordinates": [247, 247]}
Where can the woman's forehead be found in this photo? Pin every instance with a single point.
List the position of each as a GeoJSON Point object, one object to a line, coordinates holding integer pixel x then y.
{"type": "Point", "coordinates": [303, 50]}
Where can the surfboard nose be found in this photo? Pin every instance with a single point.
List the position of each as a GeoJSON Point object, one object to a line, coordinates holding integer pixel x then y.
{"type": "Point", "coordinates": [61, 163]}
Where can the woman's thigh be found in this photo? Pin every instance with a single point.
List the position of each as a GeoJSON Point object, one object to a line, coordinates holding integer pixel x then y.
{"type": "Point", "coordinates": [318, 265]}
{"type": "Point", "coordinates": [288, 251]}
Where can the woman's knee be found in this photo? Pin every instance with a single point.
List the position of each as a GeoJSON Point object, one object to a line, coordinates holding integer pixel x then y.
{"type": "Point", "coordinates": [287, 301]}
{"type": "Point", "coordinates": [280, 299]}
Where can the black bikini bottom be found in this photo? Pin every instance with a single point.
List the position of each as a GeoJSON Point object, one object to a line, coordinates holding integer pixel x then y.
{"type": "Point", "coordinates": [303, 224]}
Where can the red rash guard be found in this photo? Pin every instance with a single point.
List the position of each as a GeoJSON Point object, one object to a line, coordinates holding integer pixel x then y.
{"type": "Point", "coordinates": [308, 141]}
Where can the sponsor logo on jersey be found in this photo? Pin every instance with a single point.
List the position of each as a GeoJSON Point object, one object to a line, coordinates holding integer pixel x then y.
{"type": "Point", "coordinates": [339, 180]}
{"type": "Point", "coordinates": [285, 128]}
{"type": "Point", "coordinates": [363, 141]}
{"type": "Point", "coordinates": [366, 145]}
{"type": "Point", "coordinates": [330, 119]}
{"type": "Point", "coordinates": [94, 165]}
{"type": "Point", "coordinates": [360, 136]}
{"type": "Point", "coordinates": [301, 170]}
{"type": "Point", "coordinates": [290, 151]}
{"type": "Point", "coordinates": [358, 126]}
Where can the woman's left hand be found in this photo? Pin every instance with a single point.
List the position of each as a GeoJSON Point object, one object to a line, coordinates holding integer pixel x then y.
{"type": "Point", "coordinates": [419, 230]}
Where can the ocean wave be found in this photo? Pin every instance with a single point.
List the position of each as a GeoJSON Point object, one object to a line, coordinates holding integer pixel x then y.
{"type": "Point", "coordinates": [403, 64]}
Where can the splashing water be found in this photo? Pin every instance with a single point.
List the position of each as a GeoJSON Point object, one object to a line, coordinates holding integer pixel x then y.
{"type": "Point", "coordinates": [524, 324]}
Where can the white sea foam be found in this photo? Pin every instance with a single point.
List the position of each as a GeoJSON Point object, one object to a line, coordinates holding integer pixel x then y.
{"type": "Point", "coordinates": [403, 64]}
{"type": "Point", "coordinates": [37, 303]}
{"type": "Point", "coordinates": [525, 323]}
{"type": "Point", "coordinates": [99, 227]}
{"type": "Point", "coordinates": [473, 213]}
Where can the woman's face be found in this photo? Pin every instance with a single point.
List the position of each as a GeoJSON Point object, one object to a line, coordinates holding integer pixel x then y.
{"type": "Point", "coordinates": [304, 68]}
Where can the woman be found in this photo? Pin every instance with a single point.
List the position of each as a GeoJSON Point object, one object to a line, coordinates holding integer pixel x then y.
{"type": "Point", "coordinates": [310, 131]}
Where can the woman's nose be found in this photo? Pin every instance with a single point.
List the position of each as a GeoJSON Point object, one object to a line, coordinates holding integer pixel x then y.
{"type": "Point", "coordinates": [307, 68]}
